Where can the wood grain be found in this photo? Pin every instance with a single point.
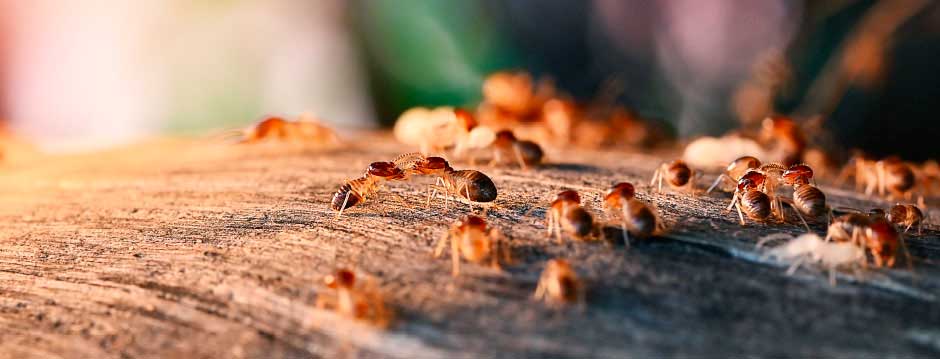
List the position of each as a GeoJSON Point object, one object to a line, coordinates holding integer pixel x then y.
{"type": "Point", "coordinates": [187, 249]}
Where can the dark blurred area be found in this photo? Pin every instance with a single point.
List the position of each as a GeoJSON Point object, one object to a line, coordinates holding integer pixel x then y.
{"type": "Point", "coordinates": [864, 70]}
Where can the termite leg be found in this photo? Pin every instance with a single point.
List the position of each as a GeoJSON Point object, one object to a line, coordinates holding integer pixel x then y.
{"type": "Point", "coordinates": [515, 149]}
{"type": "Point", "coordinates": [466, 189]}
{"type": "Point", "coordinates": [550, 221]}
{"type": "Point", "coordinates": [734, 201]}
{"type": "Point", "coordinates": [798, 214]}
{"type": "Point", "coordinates": [557, 219]}
{"type": "Point", "coordinates": [793, 267]}
{"type": "Point", "coordinates": [740, 215]}
{"type": "Point", "coordinates": [662, 173]}
{"type": "Point", "coordinates": [623, 225]}
{"type": "Point", "coordinates": [539, 289]}
{"type": "Point", "coordinates": [497, 250]}
{"type": "Point", "coordinates": [717, 181]}
{"type": "Point", "coordinates": [343, 207]}
{"type": "Point", "coordinates": [455, 257]}
{"type": "Point", "coordinates": [431, 193]}
{"type": "Point", "coordinates": [442, 243]}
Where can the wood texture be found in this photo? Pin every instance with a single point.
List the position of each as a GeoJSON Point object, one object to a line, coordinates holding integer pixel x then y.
{"type": "Point", "coordinates": [179, 249]}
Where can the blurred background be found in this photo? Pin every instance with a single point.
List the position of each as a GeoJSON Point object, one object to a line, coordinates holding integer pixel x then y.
{"type": "Point", "coordinates": [86, 74]}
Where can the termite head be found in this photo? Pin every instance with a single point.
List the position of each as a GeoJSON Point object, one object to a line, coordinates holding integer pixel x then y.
{"type": "Point", "coordinates": [883, 241]}
{"type": "Point", "coordinates": [432, 166]}
{"type": "Point", "coordinates": [751, 180]}
{"type": "Point", "coordinates": [679, 173]}
{"type": "Point", "coordinates": [343, 278]}
{"type": "Point", "coordinates": [738, 167]}
{"type": "Point", "coordinates": [386, 170]}
{"type": "Point", "coordinates": [618, 194]}
{"type": "Point", "coordinates": [269, 123]}
{"type": "Point", "coordinates": [504, 138]}
{"type": "Point", "coordinates": [465, 119]}
{"type": "Point", "coordinates": [901, 213]}
{"type": "Point", "coordinates": [471, 221]}
{"type": "Point", "coordinates": [271, 126]}
{"type": "Point", "coordinates": [797, 175]}
{"type": "Point", "coordinates": [569, 197]}
{"type": "Point", "coordinates": [474, 243]}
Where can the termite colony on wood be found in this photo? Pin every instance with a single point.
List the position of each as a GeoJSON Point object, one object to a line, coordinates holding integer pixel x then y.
{"type": "Point", "coordinates": [761, 189]}
{"type": "Point", "coordinates": [516, 119]}
{"type": "Point", "coordinates": [769, 166]}
{"type": "Point", "coordinates": [852, 240]}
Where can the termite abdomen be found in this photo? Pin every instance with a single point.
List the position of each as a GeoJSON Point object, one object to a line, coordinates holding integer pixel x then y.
{"type": "Point", "coordinates": [580, 222]}
{"type": "Point", "coordinates": [810, 200]}
{"type": "Point", "coordinates": [476, 187]}
{"type": "Point", "coordinates": [531, 152]}
{"type": "Point", "coordinates": [756, 204]}
{"type": "Point", "coordinates": [346, 195]}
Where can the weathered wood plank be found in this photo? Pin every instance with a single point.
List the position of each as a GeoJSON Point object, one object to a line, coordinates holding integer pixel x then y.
{"type": "Point", "coordinates": [209, 250]}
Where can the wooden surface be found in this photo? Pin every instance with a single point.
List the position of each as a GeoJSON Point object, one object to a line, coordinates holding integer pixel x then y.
{"type": "Point", "coordinates": [185, 250]}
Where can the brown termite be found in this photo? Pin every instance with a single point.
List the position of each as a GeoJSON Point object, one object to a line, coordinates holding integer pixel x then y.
{"type": "Point", "coordinates": [863, 170]}
{"type": "Point", "coordinates": [735, 170]}
{"type": "Point", "coordinates": [357, 191]}
{"type": "Point", "coordinates": [907, 216]}
{"type": "Point", "coordinates": [507, 148]}
{"type": "Point", "coordinates": [559, 284]}
{"type": "Point", "coordinates": [676, 173]}
{"type": "Point", "coordinates": [749, 200]}
{"type": "Point", "coordinates": [636, 218]}
{"type": "Point", "coordinates": [512, 92]}
{"type": "Point", "coordinates": [350, 299]}
{"type": "Point", "coordinates": [888, 176]}
{"type": "Point", "coordinates": [896, 177]}
{"type": "Point", "coordinates": [808, 200]}
{"type": "Point", "coordinates": [773, 177]}
{"type": "Point", "coordinates": [469, 184]}
{"type": "Point", "coordinates": [472, 239]}
{"type": "Point", "coordinates": [875, 234]}
{"type": "Point", "coordinates": [929, 174]}
{"type": "Point", "coordinates": [472, 185]}
{"type": "Point", "coordinates": [304, 130]}
{"type": "Point", "coordinates": [784, 137]}
{"type": "Point", "coordinates": [567, 215]}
